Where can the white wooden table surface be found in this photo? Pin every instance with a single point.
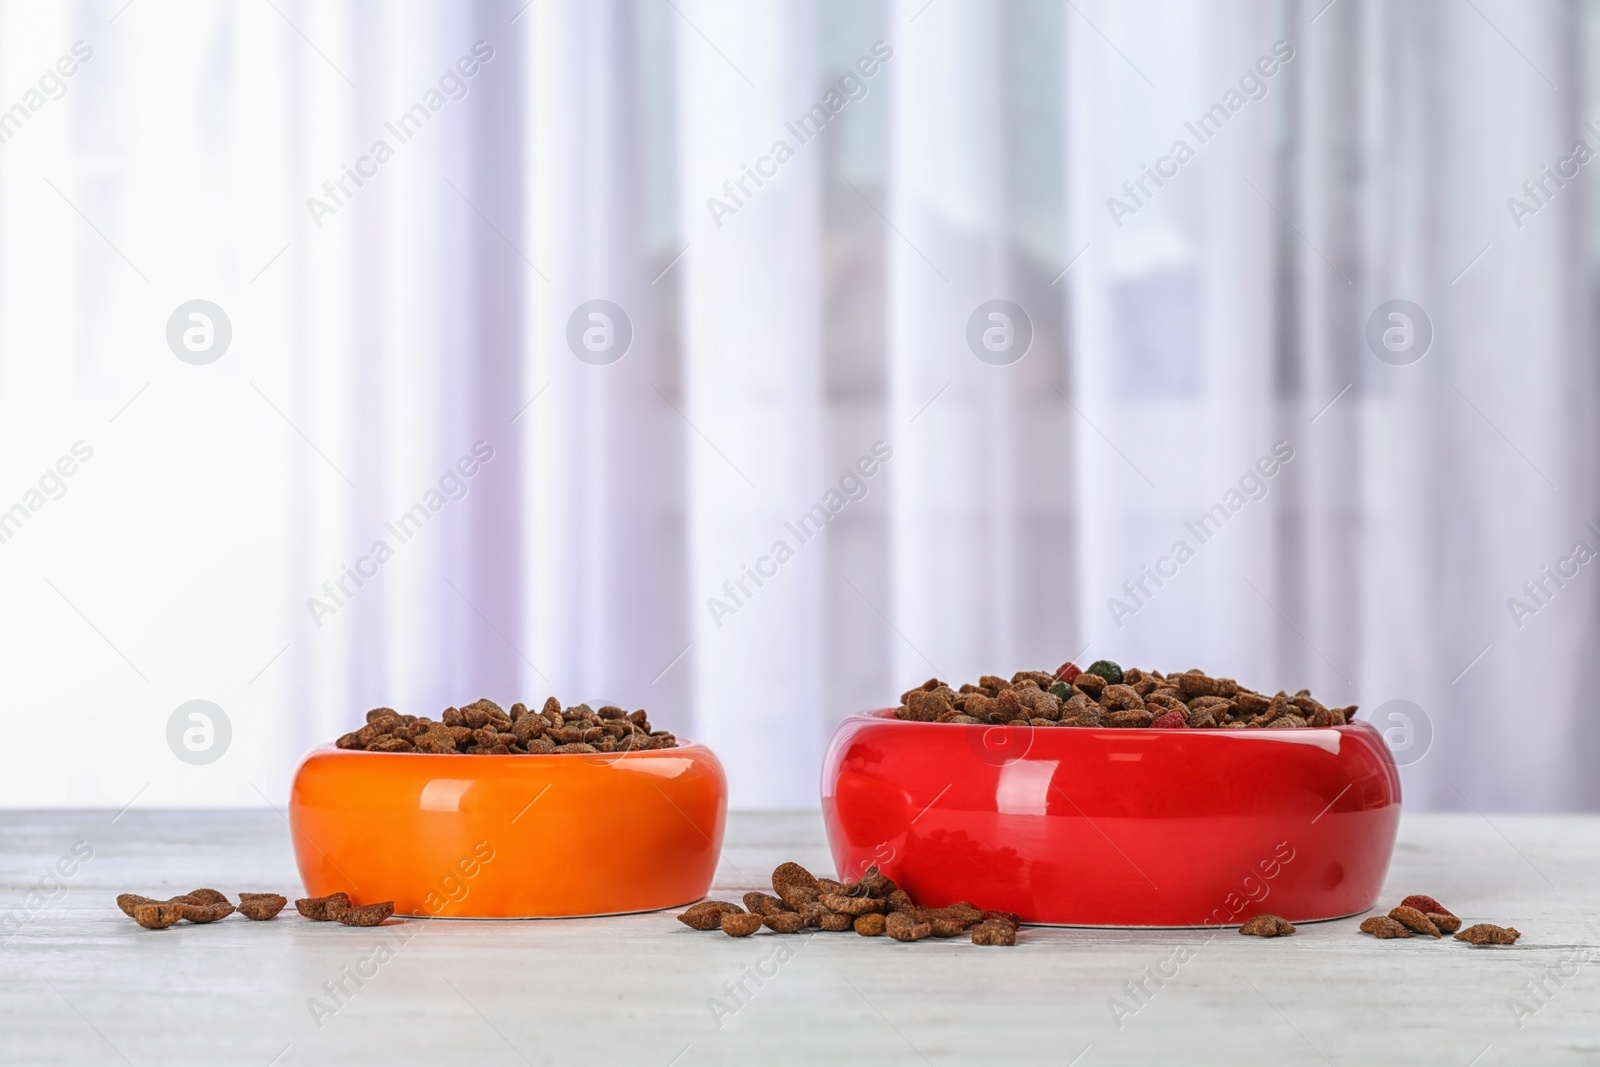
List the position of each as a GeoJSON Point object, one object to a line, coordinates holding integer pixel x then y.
{"type": "Point", "coordinates": [81, 984]}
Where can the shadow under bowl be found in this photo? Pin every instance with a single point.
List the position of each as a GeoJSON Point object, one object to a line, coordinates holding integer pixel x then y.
{"type": "Point", "coordinates": [1116, 827]}
{"type": "Point", "coordinates": [516, 836]}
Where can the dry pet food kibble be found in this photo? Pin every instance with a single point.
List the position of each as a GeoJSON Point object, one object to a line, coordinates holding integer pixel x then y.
{"type": "Point", "coordinates": [903, 926]}
{"type": "Point", "coordinates": [261, 906]}
{"type": "Point", "coordinates": [317, 908]}
{"type": "Point", "coordinates": [1107, 695]}
{"type": "Point", "coordinates": [129, 901]}
{"type": "Point", "coordinates": [741, 925]}
{"type": "Point", "coordinates": [203, 897]}
{"type": "Point", "coordinates": [483, 728]}
{"type": "Point", "coordinates": [871, 925]}
{"type": "Point", "coordinates": [1440, 915]}
{"type": "Point", "coordinates": [707, 915]}
{"type": "Point", "coordinates": [872, 907]}
{"type": "Point", "coordinates": [156, 915]}
{"type": "Point", "coordinates": [1423, 914]}
{"type": "Point", "coordinates": [1414, 920]}
{"type": "Point", "coordinates": [1383, 927]}
{"type": "Point", "coordinates": [198, 906]}
{"type": "Point", "coordinates": [208, 906]}
{"type": "Point", "coordinates": [1489, 934]}
{"type": "Point", "coordinates": [1267, 926]}
{"type": "Point", "coordinates": [995, 932]}
{"type": "Point", "coordinates": [1445, 922]}
{"type": "Point", "coordinates": [206, 913]}
{"type": "Point", "coordinates": [367, 915]}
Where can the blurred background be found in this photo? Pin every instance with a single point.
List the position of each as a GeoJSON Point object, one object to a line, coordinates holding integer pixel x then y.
{"type": "Point", "coordinates": [980, 310]}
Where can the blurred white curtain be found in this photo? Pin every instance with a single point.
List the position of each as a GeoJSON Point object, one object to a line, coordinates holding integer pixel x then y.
{"type": "Point", "coordinates": [956, 421]}
{"type": "Point", "coordinates": [1228, 312]}
{"type": "Point", "coordinates": [751, 415]}
{"type": "Point", "coordinates": [405, 357]}
{"type": "Point", "coordinates": [604, 591]}
{"type": "Point", "coordinates": [1172, 358]}
{"type": "Point", "coordinates": [1436, 490]}
{"type": "Point", "coordinates": [606, 552]}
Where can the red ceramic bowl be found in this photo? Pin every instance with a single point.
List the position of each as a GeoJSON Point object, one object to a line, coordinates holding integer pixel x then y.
{"type": "Point", "coordinates": [1086, 827]}
{"type": "Point", "coordinates": [510, 836]}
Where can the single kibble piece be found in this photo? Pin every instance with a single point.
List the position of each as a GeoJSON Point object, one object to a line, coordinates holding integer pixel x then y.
{"type": "Point", "coordinates": [852, 906]}
{"type": "Point", "coordinates": [784, 922]}
{"type": "Point", "coordinates": [203, 896]}
{"type": "Point", "coordinates": [367, 915]}
{"type": "Point", "coordinates": [157, 916]}
{"type": "Point", "coordinates": [902, 926]}
{"type": "Point", "coordinates": [1267, 926]}
{"type": "Point", "coordinates": [261, 906]}
{"type": "Point", "coordinates": [1447, 924]}
{"type": "Point", "coordinates": [758, 903]}
{"type": "Point", "coordinates": [1414, 920]}
{"type": "Point", "coordinates": [994, 932]}
{"type": "Point", "coordinates": [1107, 670]}
{"type": "Point", "coordinates": [741, 925]}
{"type": "Point", "coordinates": [794, 885]}
{"type": "Point", "coordinates": [1383, 927]}
{"type": "Point", "coordinates": [1425, 904]}
{"type": "Point", "coordinates": [128, 901]}
{"type": "Point", "coordinates": [875, 884]}
{"type": "Point", "coordinates": [872, 925]}
{"type": "Point", "coordinates": [205, 913]}
{"type": "Point", "coordinates": [316, 908]}
{"type": "Point", "coordinates": [1489, 934]}
{"type": "Point", "coordinates": [707, 915]}
{"type": "Point", "coordinates": [834, 923]}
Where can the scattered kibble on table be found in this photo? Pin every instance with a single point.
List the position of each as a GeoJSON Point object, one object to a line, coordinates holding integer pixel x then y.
{"type": "Point", "coordinates": [202, 906]}
{"type": "Point", "coordinates": [873, 907]}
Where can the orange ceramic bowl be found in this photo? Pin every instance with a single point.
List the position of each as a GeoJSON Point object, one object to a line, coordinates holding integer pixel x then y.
{"type": "Point", "coordinates": [510, 837]}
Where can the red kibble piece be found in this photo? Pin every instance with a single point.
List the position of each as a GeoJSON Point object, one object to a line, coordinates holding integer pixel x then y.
{"type": "Point", "coordinates": [1170, 720]}
{"type": "Point", "coordinates": [1068, 671]}
{"type": "Point", "coordinates": [1425, 904]}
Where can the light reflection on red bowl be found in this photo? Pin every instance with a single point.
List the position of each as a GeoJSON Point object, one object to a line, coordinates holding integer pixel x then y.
{"type": "Point", "coordinates": [1116, 827]}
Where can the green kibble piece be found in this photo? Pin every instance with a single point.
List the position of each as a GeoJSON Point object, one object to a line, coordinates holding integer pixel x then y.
{"type": "Point", "coordinates": [1062, 691]}
{"type": "Point", "coordinates": [1107, 670]}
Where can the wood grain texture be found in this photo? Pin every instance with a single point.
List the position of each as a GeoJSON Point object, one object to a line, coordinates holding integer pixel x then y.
{"type": "Point", "coordinates": [82, 984]}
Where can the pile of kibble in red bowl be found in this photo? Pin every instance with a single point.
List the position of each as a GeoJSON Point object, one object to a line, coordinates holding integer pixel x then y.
{"type": "Point", "coordinates": [1107, 695]}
